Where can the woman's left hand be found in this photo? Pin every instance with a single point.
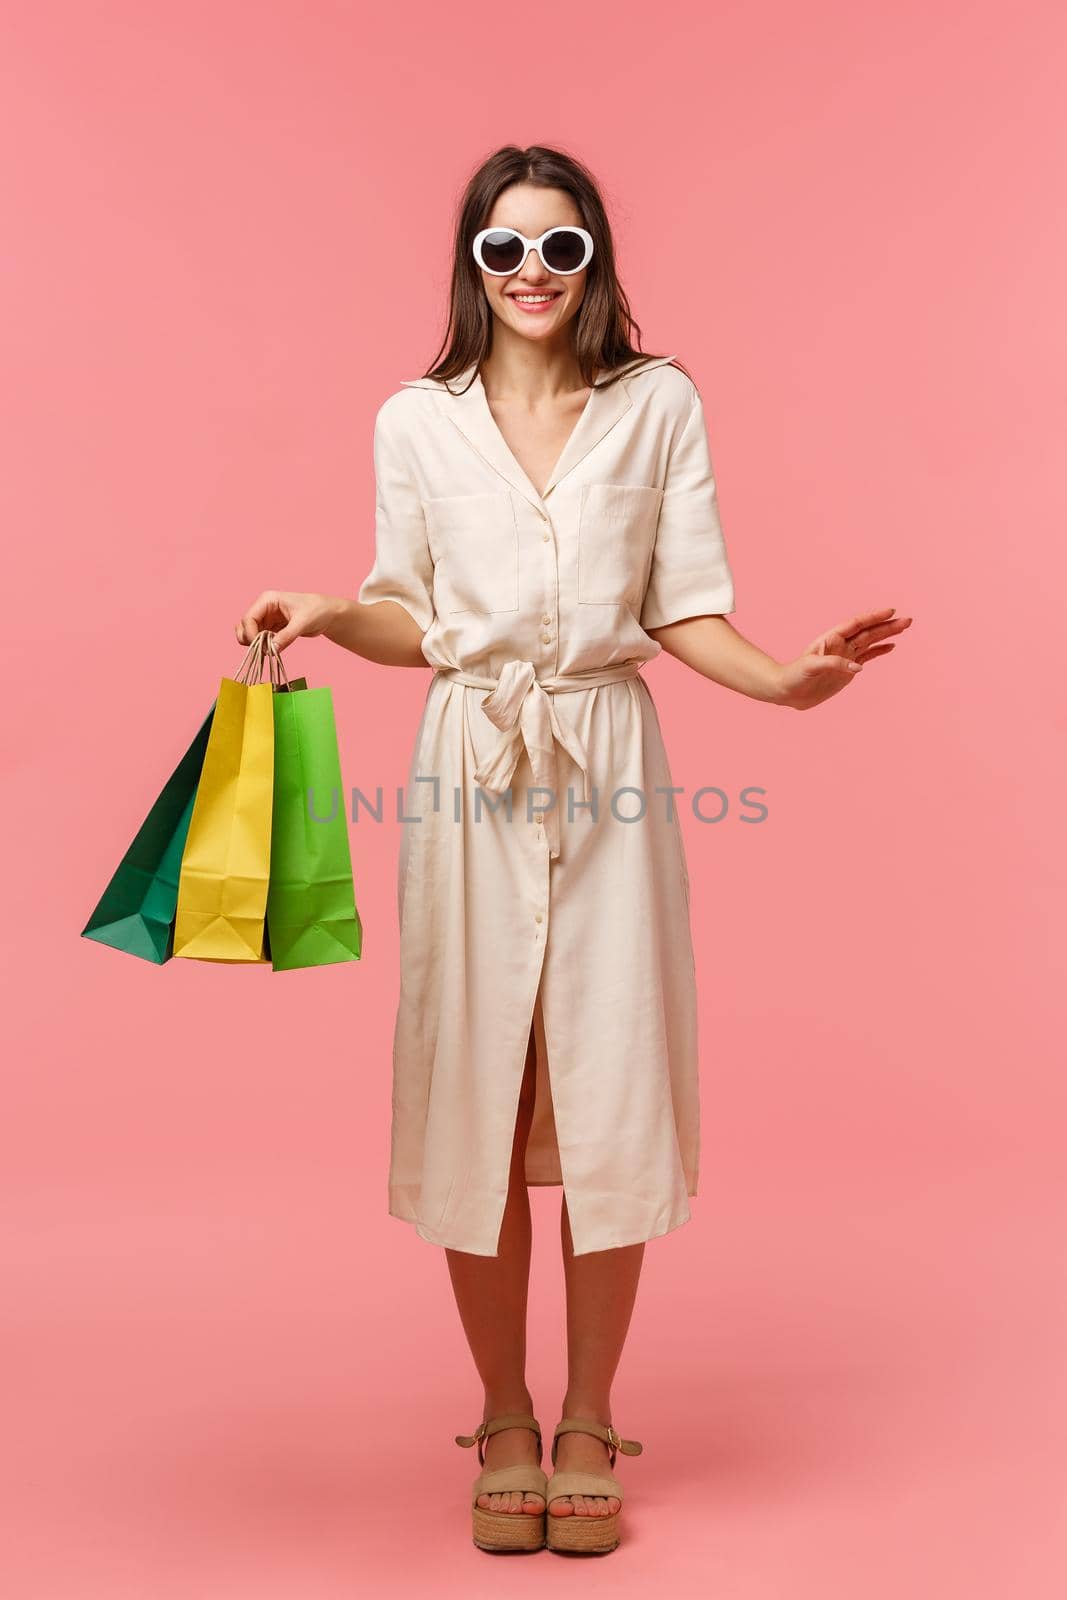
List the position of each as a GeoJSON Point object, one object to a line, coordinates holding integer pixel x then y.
{"type": "Point", "coordinates": [837, 657]}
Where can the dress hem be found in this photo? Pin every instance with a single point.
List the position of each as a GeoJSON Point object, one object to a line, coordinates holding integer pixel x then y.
{"type": "Point", "coordinates": [435, 1236]}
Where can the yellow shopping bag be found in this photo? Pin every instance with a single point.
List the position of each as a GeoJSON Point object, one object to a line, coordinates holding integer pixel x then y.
{"type": "Point", "coordinates": [225, 870]}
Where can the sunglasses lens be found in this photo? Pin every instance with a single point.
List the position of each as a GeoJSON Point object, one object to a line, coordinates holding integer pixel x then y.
{"type": "Point", "coordinates": [502, 251]}
{"type": "Point", "coordinates": [564, 251]}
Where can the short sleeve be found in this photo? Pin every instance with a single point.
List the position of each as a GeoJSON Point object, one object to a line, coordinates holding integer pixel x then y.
{"type": "Point", "coordinates": [690, 574]}
{"type": "Point", "coordinates": [403, 566]}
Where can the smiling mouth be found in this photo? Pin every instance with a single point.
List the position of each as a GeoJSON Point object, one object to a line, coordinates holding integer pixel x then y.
{"type": "Point", "coordinates": [536, 305]}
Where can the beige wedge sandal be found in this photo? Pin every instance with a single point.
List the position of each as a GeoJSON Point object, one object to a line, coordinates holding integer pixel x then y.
{"type": "Point", "coordinates": [586, 1535]}
{"type": "Point", "coordinates": [506, 1530]}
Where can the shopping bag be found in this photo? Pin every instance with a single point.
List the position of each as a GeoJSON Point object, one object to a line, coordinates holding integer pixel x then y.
{"type": "Point", "coordinates": [312, 920]}
{"type": "Point", "coordinates": [135, 913]}
{"type": "Point", "coordinates": [225, 867]}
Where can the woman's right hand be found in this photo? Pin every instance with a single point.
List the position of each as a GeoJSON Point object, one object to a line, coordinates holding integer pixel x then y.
{"type": "Point", "coordinates": [288, 616]}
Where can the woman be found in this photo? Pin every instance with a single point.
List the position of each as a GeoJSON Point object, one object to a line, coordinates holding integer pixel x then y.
{"type": "Point", "coordinates": [546, 523]}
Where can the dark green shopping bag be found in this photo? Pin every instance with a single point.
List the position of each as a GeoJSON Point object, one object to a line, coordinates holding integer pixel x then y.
{"type": "Point", "coordinates": [136, 911]}
{"type": "Point", "coordinates": [312, 920]}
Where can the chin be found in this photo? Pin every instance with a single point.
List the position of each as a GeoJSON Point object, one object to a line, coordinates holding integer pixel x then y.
{"type": "Point", "coordinates": [536, 327]}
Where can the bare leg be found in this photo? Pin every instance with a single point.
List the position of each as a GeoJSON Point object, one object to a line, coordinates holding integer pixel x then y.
{"type": "Point", "coordinates": [491, 1293]}
{"type": "Point", "coordinates": [601, 1289]}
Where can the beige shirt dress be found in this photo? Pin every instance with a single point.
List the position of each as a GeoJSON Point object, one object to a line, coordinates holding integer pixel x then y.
{"type": "Point", "coordinates": [542, 875]}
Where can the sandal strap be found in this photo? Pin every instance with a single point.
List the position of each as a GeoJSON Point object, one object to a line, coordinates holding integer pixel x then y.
{"type": "Point", "coordinates": [496, 1425]}
{"type": "Point", "coordinates": [501, 1480]}
{"type": "Point", "coordinates": [598, 1484]}
{"type": "Point", "coordinates": [598, 1430]}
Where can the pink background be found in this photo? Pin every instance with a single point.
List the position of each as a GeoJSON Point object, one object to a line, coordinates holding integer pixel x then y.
{"type": "Point", "coordinates": [226, 241]}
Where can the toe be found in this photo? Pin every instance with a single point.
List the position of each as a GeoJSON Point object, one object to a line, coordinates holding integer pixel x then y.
{"type": "Point", "coordinates": [561, 1506]}
{"type": "Point", "coordinates": [533, 1505]}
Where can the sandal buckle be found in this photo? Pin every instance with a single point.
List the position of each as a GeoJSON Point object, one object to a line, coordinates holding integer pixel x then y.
{"type": "Point", "coordinates": [613, 1438]}
{"type": "Point", "coordinates": [468, 1439]}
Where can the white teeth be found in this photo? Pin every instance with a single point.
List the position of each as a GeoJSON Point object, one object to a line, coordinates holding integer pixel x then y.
{"type": "Point", "coordinates": [532, 299]}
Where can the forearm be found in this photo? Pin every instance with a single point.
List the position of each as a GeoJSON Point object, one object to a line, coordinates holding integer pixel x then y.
{"type": "Point", "coordinates": [382, 631]}
{"type": "Point", "coordinates": [715, 649]}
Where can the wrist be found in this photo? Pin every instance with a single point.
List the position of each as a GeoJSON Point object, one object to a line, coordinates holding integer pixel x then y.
{"type": "Point", "coordinates": [777, 684]}
{"type": "Point", "coordinates": [335, 608]}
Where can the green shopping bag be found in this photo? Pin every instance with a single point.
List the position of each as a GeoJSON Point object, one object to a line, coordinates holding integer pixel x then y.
{"type": "Point", "coordinates": [312, 920]}
{"type": "Point", "coordinates": [135, 913]}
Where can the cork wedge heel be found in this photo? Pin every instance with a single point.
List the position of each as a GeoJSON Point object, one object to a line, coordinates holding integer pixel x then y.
{"type": "Point", "coordinates": [576, 1533]}
{"type": "Point", "coordinates": [499, 1531]}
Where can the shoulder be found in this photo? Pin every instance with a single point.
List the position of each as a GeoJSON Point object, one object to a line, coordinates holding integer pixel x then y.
{"type": "Point", "coordinates": [419, 398]}
{"type": "Point", "coordinates": [661, 382]}
{"type": "Point", "coordinates": [399, 413]}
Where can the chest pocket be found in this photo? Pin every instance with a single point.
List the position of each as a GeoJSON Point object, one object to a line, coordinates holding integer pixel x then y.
{"type": "Point", "coordinates": [474, 542]}
{"type": "Point", "coordinates": [616, 536]}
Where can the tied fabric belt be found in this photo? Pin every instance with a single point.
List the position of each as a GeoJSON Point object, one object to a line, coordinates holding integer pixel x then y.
{"type": "Point", "coordinates": [520, 706]}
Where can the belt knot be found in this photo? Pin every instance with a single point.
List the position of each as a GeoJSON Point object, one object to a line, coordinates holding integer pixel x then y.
{"type": "Point", "coordinates": [520, 706]}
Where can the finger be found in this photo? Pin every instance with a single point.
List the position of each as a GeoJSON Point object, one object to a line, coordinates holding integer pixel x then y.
{"type": "Point", "coordinates": [897, 625]}
{"type": "Point", "coordinates": [876, 650]}
{"type": "Point", "coordinates": [292, 630]}
{"type": "Point", "coordinates": [251, 623]}
{"type": "Point", "coordinates": [860, 631]}
{"type": "Point", "coordinates": [835, 664]}
{"type": "Point", "coordinates": [255, 617]}
{"type": "Point", "coordinates": [868, 619]}
{"type": "Point", "coordinates": [865, 619]}
{"type": "Point", "coordinates": [869, 636]}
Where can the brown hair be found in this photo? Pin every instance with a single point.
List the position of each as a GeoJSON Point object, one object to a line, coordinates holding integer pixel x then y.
{"type": "Point", "coordinates": [606, 335]}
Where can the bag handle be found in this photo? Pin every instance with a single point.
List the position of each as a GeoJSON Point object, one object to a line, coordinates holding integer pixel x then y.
{"type": "Point", "coordinates": [278, 675]}
{"type": "Point", "coordinates": [251, 668]}
{"type": "Point", "coordinates": [253, 661]}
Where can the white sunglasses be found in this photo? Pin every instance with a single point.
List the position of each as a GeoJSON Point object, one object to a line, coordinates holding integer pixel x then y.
{"type": "Point", "coordinates": [502, 251]}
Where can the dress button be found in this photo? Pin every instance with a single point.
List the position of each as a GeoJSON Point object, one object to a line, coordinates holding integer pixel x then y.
{"type": "Point", "coordinates": [539, 816]}
{"type": "Point", "coordinates": [546, 638]}
{"type": "Point", "coordinates": [546, 538]}
{"type": "Point", "coordinates": [538, 917]}
{"type": "Point", "coordinates": [546, 618]}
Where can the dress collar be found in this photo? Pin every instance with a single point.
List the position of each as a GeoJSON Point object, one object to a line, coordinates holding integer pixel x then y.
{"type": "Point", "coordinates": [464, 403]}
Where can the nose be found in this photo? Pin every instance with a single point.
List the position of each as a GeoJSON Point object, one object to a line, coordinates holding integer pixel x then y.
{"type": "Point", "coordinates": [533, 268]}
